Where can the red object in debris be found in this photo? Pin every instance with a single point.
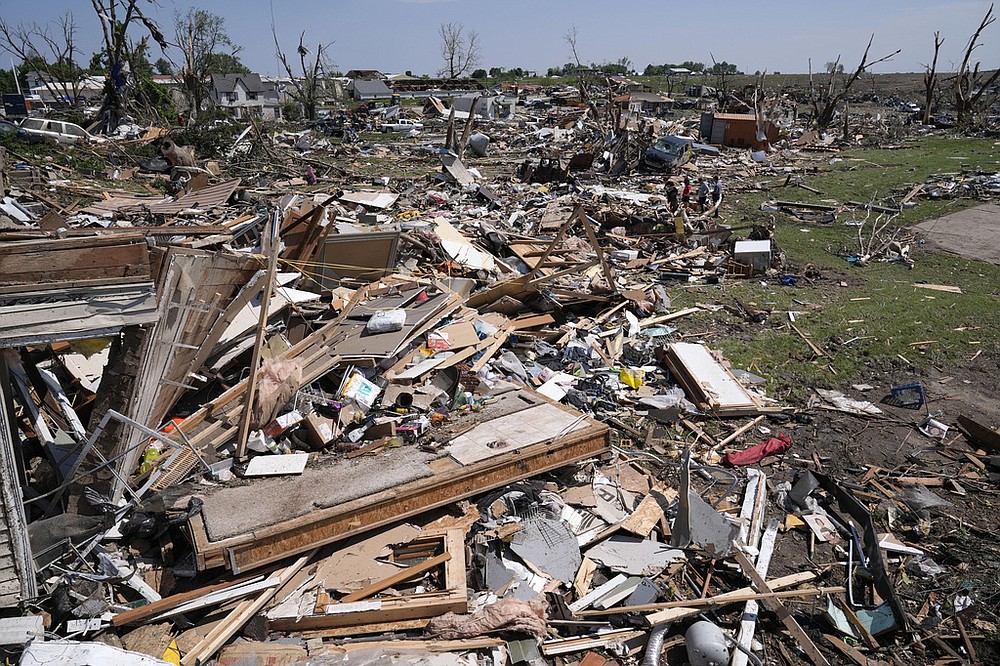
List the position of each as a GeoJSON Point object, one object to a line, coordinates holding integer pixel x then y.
{"type": "Point", "coordinates": [758, 452]}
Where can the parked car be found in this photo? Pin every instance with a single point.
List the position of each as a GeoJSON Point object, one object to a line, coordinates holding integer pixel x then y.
{"type": "Point", "coordinates": [402, 125]}
{"type": "Point", "coordinates": [668, 154]}
{"type": "Point", "coordinates": [58, 131]}
{"type": "Point", "coordinates": [7, 127]}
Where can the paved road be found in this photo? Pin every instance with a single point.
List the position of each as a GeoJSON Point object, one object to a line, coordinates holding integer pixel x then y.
{"type": "Point", "coordinates": [973, 233]}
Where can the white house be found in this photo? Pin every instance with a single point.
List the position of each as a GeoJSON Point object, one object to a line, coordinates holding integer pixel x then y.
{"type": "Point", "coordinates": [245, 95]}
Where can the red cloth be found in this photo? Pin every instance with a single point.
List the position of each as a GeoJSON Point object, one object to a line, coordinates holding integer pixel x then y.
{"type": "Point", "coordinates": [758, 452]}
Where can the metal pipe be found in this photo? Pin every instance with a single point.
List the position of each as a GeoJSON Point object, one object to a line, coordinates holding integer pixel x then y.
{"type": "Point", "coordinates": [745, 650]}
{"type": "Point", "coordinates": [654, 645]}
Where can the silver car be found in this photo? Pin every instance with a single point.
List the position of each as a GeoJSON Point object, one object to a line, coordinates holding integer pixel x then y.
{"type": "Point", "coordinates": [58, 131]}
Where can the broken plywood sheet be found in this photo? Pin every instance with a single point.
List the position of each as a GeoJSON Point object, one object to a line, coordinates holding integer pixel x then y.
{"type": "Point", "coordinates": [454, 167]}
{"type": "Point", "coordinates": [460, 249]}
{"type": "Point", "coordinates": [531, 426]}
{"type": "Point", "coordinates": [634, 556]}
{"type": "Point", "coordinates": [360, 564]}
{"type": "Point", "coordinates": [442, 551]}
{"type": "Point", "coordinates": [370, 199]}
{"type": "Point", "coordinates": [234, 510]}
{"type": "Point", "coordinates": [314, 512]}
{"type": "Point", "coordinates": [705, 380]}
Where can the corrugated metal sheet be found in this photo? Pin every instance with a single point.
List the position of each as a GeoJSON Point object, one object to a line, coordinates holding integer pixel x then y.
{"type": "Point", "coordinates": [206, 198]}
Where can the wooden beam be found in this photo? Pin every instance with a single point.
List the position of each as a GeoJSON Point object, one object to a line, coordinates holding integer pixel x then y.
{"type": "Point", "coordinates": [167, 603]}
{"type": "Point", "coordinates": [265, 302]}
{"type": "Point", "coordinates": [735, 596]}
{"type": "Point", "coordinates": [397, 577]}
{"type": "Point", "coordinates": [270, 544]}
{"type": "Point", "coordinates": [717, 601]}
{"type": "Point", "coordinates": [790, 622]}
{"type": "Point", "coordinates": [239, 616]}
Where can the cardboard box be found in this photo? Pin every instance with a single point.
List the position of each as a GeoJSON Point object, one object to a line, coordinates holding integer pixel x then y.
{"type": "Point", "coordinates": [321, 430]}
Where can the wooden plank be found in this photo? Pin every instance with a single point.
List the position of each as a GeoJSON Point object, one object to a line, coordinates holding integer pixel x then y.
{"type": "Point", "coordinates": [980, 433]}
{"type": "Point", "coordinates": [36, 263]}
{"type": "Point", "coordinates": [167, 603]}
{"type": "Point", "coordinates": [398, 577]}
{"type": "Point", "coordinates": [748, 620]}
{"type": "Point", "coordinates": [852, 653]}
{"type": "Point", "coordinates": [677, 612]}
{"type": "Point", "coordinates": [462, 645]}
{"type": "Point", "coordinates": [272, 269]}
{"type": "Point", "coordinates": [786, 618]}
{"type": "Point", "coordinates": [727, 599]}
{"type": "Point", "coordinates": [239, 616]}
{"type": "Point", "coordinates": [361, 629]}
{"type": "Point", "coordinates": [325, 525]}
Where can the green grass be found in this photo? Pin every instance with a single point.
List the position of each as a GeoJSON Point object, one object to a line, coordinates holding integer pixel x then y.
{"type": "Point", "coordinates": [876, 330]}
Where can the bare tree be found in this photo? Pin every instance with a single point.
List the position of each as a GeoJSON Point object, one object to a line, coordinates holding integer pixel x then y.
{"type": "Point", "coordinates": [582, 83]}
{"type": "Point", "coordinates": [459, 50]}
{"type": "Point", "coordinates": [116, 17]}
{"type": "Point", "coordinates": [53, 56]}
{"type": "Point", "coordinates": [306, 89]}
{"type": "Point", "coordinates": [969, 86]}
{"type": "Point", "coordinates": [930, 79]}
{"type": "Point", "coordinates": [826, 104]}
{"type": "Point", "coordinates": [200, 35]}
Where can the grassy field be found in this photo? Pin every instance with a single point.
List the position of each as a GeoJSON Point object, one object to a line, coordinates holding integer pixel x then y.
{"type": "Point", "coordinates": [865, 318]}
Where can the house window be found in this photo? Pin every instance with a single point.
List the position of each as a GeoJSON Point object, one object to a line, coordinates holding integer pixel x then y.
{"type": "Point", "coordinates": [252, 96]}
{"type": "Point", "coordinates": [231, 97]}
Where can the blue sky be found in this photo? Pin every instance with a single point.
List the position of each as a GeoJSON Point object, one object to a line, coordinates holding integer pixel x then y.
{"type": "Point", "coordinates": [399, 35]}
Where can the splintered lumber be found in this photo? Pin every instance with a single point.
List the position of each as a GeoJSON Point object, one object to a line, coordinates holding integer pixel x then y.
{"type": "Point", "coordinates": [265, 301]}
{"type": "Point", "coordinates": [398, 577]}
{"type": "Point", "coordinates": [321, 521]}
{"type": "Point", "coordinates": [168, 603]}
{"type": "Point", "coordinates": [239, 616]}
{"type": "Point", "coordinates": [679, 612]}
{"type": "Point", "coordinates": [580, 643]}
{"type": "Point", "coordinates": [816, 350]}
{"type": "Point", "coordinates": [739, 431]}
{"type": "Point", "coordinates": [786, 618]}
{"type": "Point", "coordinates": [359, 613]}
{"type": "Point", "coordinates": [726, 599]}
{"type": "Point", "coordinates": [988, 438]}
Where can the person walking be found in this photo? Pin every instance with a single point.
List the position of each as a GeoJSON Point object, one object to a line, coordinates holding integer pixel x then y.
{"type": "Point", "coordinates": [672, 197]}
{"type": "Point", "coordinates": [703, 190]}
{"type": "Point", "coordinates": [717, 195]}
{"type": "Point", "coordinates": [686, 194]}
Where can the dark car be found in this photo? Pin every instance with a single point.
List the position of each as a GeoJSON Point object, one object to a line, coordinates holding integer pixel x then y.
{"type": "Point", "coordinates": [668, 154]}
{"type": "Point", "coordinates": [7, 127]}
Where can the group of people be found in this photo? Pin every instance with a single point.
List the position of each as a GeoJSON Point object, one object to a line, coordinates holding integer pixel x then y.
{"type": "Point", "coordinates": [706, 188]}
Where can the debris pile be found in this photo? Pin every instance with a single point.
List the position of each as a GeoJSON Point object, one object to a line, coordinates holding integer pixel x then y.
{"type": "Point", "coordinates": [284, 409]}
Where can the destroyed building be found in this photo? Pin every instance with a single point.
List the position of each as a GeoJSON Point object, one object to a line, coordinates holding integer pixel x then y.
{"type": "Point", "coordinates": [286, 408]}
